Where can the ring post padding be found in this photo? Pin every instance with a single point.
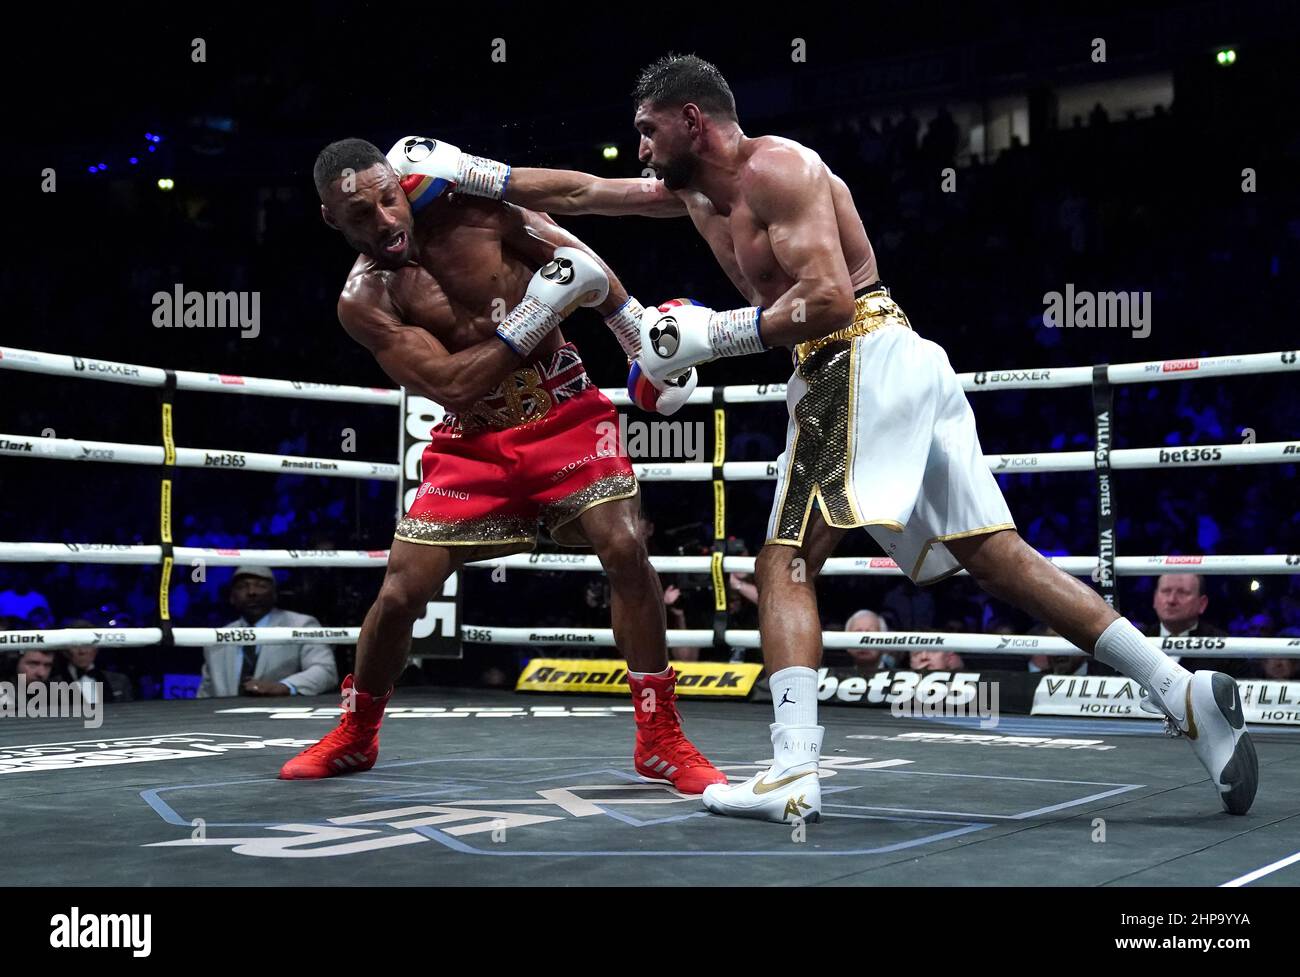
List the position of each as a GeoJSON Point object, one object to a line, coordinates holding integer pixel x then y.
{"type": "Point", "coordinates": [1104, 428]}
{"type": "Point", "coordinates": [166, 554]}
{"type": "Point", "coordinates": [719, 519]}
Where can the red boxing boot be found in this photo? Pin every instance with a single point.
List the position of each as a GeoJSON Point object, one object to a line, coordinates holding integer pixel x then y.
{"type": "Point", "coordinates": [350, 747]}
{"type": "Point", "coordinates": [663, 753]}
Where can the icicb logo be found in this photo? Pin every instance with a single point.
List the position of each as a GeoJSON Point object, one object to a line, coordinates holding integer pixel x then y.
{"type": "Point", "coordinates": [1081, 309]}
{"type": "Point", "coordinates": [131, 931]}
{"type": "Point", "coordinates": [181, 309]}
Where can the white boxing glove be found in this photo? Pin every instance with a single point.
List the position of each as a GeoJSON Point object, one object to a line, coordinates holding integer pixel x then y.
{"type": "Point", "coordinates": [665, 397]}
{"type": "Point", "coordinates": [569, 280]}
{"type": "Point", "coordinates": [679, 334]}
{"type": "Point", "coordinates": [426, 167]}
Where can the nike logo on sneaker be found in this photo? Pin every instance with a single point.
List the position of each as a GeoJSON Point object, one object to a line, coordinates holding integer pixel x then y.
{"type": "Point", "coordinates": [761, 787]}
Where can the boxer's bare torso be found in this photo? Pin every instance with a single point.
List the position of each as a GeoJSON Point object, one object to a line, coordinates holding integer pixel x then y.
{"type": "Point", "coordinates": [464, 272]}
{"type": "Point", "coordinates": [740, 239]}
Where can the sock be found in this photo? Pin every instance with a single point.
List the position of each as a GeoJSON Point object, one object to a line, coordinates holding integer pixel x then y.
{"type": "Point", "coordinates": [642, 676]}
{"type": "Point", "coordinates": [1124, 648]}
{"type": "Point", "coordinates": [794, 696]}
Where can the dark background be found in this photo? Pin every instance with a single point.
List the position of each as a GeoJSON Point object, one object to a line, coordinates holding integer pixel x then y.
{"type": "Point", "coordinates": [1151, 202]}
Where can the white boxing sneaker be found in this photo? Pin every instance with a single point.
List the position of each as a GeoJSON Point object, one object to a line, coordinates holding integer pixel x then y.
{"type": "Point", "coordinates": [1213, 723]}
{"type": "Point", "coordinates": [785, 793]}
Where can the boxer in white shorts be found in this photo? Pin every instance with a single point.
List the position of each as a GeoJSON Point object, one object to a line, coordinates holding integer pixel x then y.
{"type": "Point", "coordinates": [880, 433]}
{"type": "Point", "coordinates": [881, 436]}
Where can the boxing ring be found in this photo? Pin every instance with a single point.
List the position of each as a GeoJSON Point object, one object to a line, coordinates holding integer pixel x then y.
{"type": "Point", "coordinates": [974, 805]}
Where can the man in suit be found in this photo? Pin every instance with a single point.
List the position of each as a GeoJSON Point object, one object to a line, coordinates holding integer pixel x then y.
{"type": "Point", "coordinates": [78, 664]}
{"type": "Point", "coordinates": [1179, 602]}
{"type": "Point", "coordinates": [297, 669]}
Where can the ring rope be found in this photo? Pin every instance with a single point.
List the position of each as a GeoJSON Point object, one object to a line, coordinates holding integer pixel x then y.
{"type": "Point", "coordinates": [1009, 645]}
{"type": "Point", "coordinates": [868, 566]}
{"type": "Point", "coordinates": [1149, 371]}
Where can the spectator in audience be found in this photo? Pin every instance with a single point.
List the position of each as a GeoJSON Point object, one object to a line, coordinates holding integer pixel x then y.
{"type": "Point", "coordinates": [1056, 664]}
{"type": "Point", "coordinates": [1281, 669]}
{"type": "Point", "coordinates": [1179, 601]}
{"type": "Point", "coordinates": [77, 664]}
{"type": "Point", "coordinates": [272, 670]}
{"type": "Point", "coordinates": [35, 664]}
{"type": "Point", "coordinates": [931, 660]}
{"type": "Point", "coordinates": [869, 659]}
{"type": "Point", "coordinates": [677, 622]}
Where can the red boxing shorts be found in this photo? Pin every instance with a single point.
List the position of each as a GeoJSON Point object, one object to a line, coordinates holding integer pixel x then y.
{"type": "Point", "coordinates": [535, 450]}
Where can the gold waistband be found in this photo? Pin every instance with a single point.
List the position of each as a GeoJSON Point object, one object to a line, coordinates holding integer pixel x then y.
{"type": "Point", "coordinates": [872, 311]}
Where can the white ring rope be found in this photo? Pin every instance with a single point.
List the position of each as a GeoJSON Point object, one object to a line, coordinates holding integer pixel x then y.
{"type": "Point", "coordinates": [1011, 645]}
{"type": "Point", "coordinates": [73, 449]}
{"type": "Point", "coordinates": [58, 365]}
{"type": "Point", "coordinates": [873, 566]}
{"type": "Point", "coordinates": [1149, 371]}
{"type": "Point", "coordinates": [1024, 645]}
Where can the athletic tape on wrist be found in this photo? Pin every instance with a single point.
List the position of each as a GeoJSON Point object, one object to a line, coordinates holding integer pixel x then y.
{"type": "Point", "coordinates": [527, 324]}
{"type": "Point", "coordinates": [481, 177]}
{"type": "Point", "coordinates": [735, 332]}
{"type": "Point", "coordinates": [625, 324]}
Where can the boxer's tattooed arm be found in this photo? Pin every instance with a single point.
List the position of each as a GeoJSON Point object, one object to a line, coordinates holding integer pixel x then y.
{"type": "Point", "coordinates": [789, 192]}
{"type": "Point", "coordinates": [534, 237]}
{"type": "Point", "coordinates": [571, 192]}
{"type": "Point", "coordinates": [414, 358]}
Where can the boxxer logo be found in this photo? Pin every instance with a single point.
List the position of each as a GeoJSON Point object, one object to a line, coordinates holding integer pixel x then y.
{"type": "Point", "coordinates": [664, 336]}
{"type": "Point", "coordinates": [558, 270]}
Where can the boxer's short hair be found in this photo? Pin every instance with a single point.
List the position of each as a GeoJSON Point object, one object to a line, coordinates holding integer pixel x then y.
{"type": "Point", "coordinates": [676, 79]}
{"type": "Point", "coordinates": [345, 154]}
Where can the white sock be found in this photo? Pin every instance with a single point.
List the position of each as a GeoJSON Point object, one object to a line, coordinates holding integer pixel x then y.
{"type": "Point", "coordinates": [660, 674]}
{"type": "Point", "coordinates": [1123, 647]}
{"type": "Point", "coordinates": [794, 696]}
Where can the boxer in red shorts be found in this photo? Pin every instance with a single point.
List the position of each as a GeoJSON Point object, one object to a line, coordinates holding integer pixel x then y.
{"type": "Point", "coordinates": [460, 300]}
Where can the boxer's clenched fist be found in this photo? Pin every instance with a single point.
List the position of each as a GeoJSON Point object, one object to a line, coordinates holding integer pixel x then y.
{"type": "Point", "coordinates": [572, 278]}
{"type": "Point", "coordinates": [426, 167]}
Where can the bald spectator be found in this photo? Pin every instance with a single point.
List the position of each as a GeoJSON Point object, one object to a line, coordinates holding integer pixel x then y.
{"type": "Point", "coordinates": [869, 659]}
{"type": "Point", "coordinates": [1179, 602]}
{"type": "Point", "coordinates": [290, 669]}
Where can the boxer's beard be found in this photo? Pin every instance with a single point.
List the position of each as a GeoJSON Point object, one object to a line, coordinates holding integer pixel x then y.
{"type": "Point", "coordinates": [677, 173]}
